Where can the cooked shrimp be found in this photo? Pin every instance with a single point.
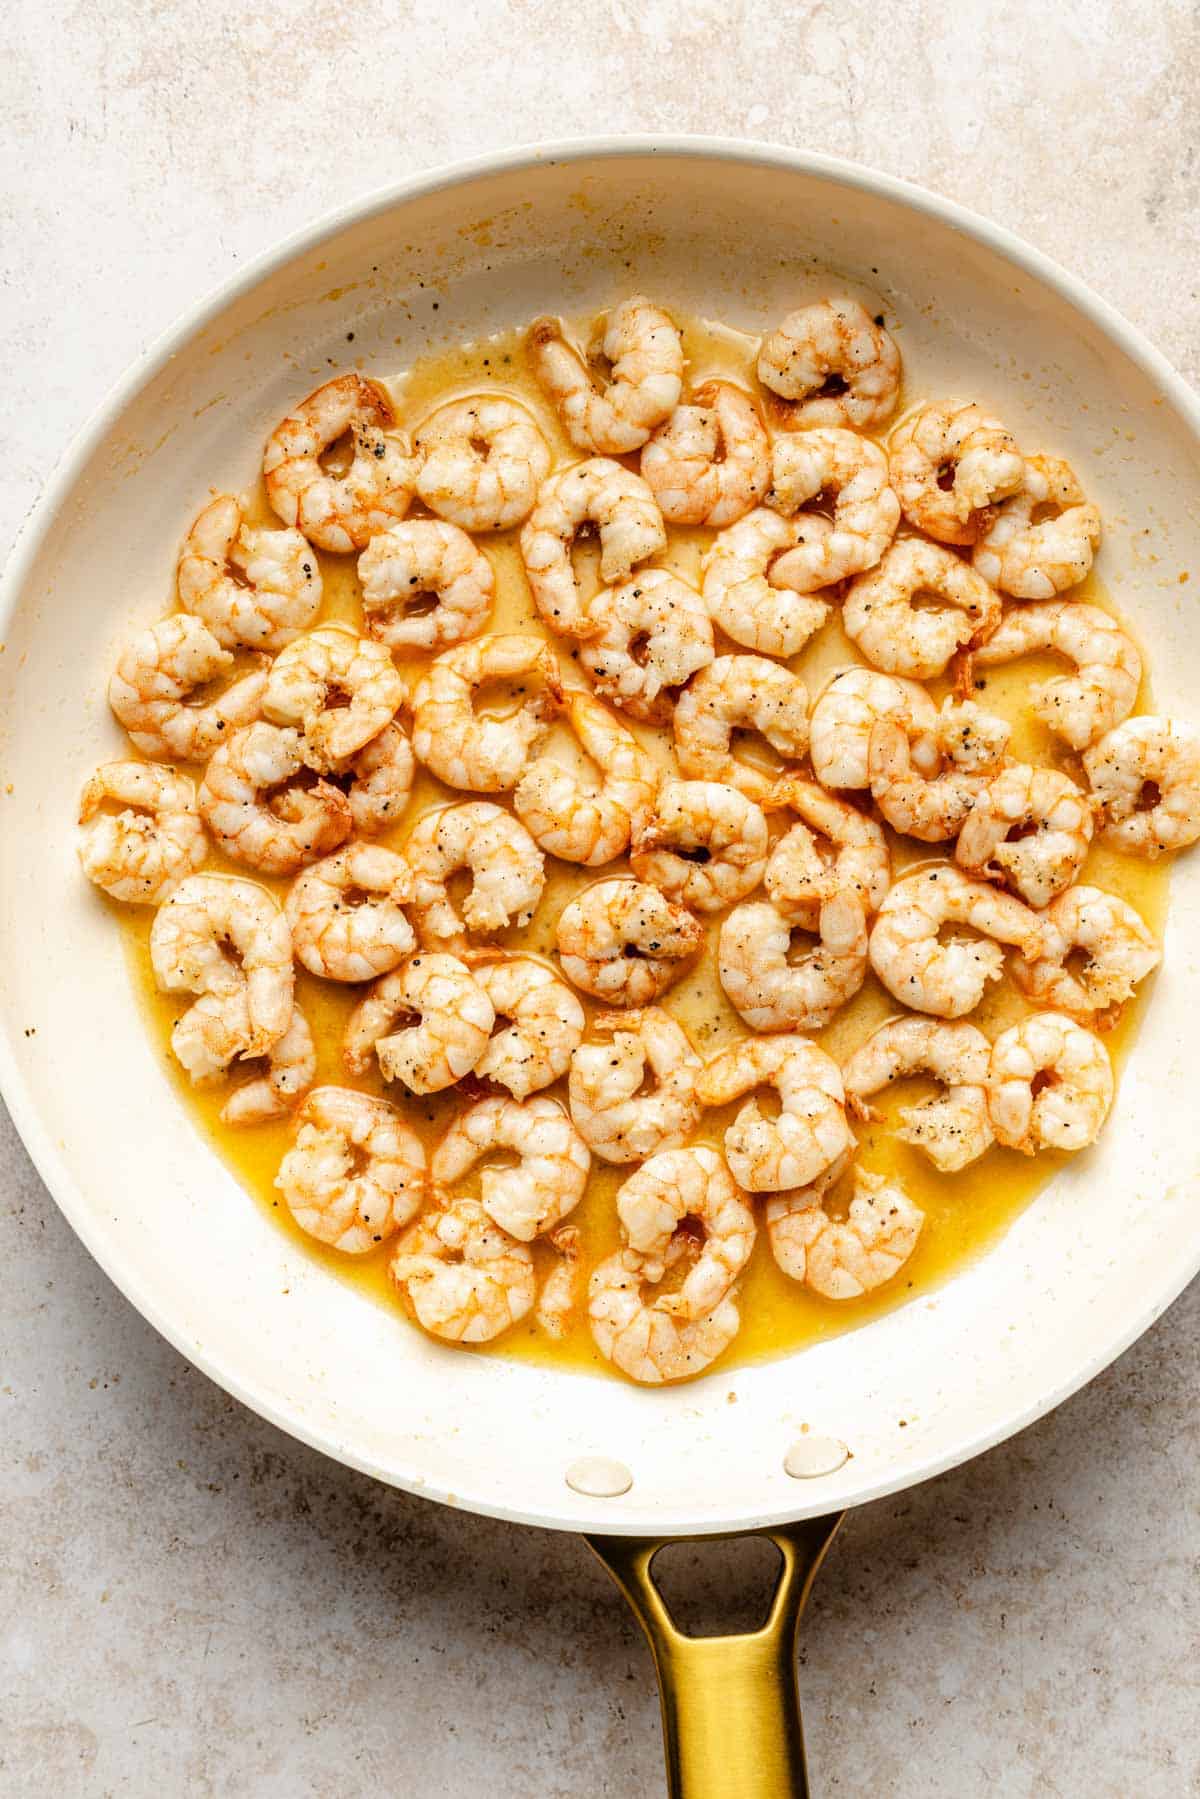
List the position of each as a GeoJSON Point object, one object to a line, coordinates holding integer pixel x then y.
{"type": "Point", "coordinates": [279, 833]}
{"type": "Point", "coordinates": [805, 466]}
{"type": "Point", "coordinates": [743, 591]}
{"type": "Point", "coordinates": [950, 464]}
{"type": "Point", "coordinates": [1145, 775]}
{"type": "Point", "coordinates": [226, 940]}
{"type": "Point", "coordinates": [507, 872]}
{"type": "Point", "coordinates": [1102, 693]}
{"type": "Point", "coordinates": [346, 913]}
{"type": "Point", "coordinates": [810, 1132]}
{"type": "Point", "coordinates": [933, 807]}
{"type": "Point", "coordinates": [551, 1171]}
{"type": "Point", "coordinates": [953, 1128]}
{"type": "Point", "coordinates": [462, 1277]}
{"type": "Point", "coordinates": [356, 1172]}
{"type": "Point", "coordinates": [422, 561]}
{"type": "Point", "coordinates": [340, 689]}
{"type": "Point", "coordinates": [482, 461]}
{"type": "Point", "coordinates": [466, 749]}
{"type": "Point", "coordinates": [575, 820]}
{"type": "Point", "coordinates": [948, 978]}
{"type": "Point", "coordinates": [649, 1345]}
{"type": "Point", "coordinates": [381, 781]}
{"type": "Point", "coordinates": [545, 1022]}
{"type": "Point", "coordinates": [836, 361]}
{"type": "Point", "coordinates": [649, 636]}
{"type": "Point", "coordinates": [1036, 561]}
{"type": "Point", "coordinates": [711, 461]}
{"type": "Point", "coordinates": [625, 942]}
{"type": "Point", "coordinates": [454, 1021]}
{"type": "Point", "coordinates": [843, 1258]}
{"type": "Point", "coordinates": [623, 510]}
{"type": "Point", "coordinates": [340, 512]}
{"type": "Point", "coordinates": [740, 693]}
{"type": "Point", "coordinates": [774, 991]}
{"type": "Point", "coordinates": [844, 714]}
{"type": "Point", "coordinates": [254, 587]}
{"type": "Point", "coordinates": [139, 854]}
{"type": "Point", "coordinates": [156, 673]}
{"type": "Point", "coordinates": [614, 1114]}
{"type": "Point", "coordinates": [880, 614]}
{"type": "Point", "coordinates": [561, 1290]}
{"type": "Point", "coordinates": [1050, 1084]}
{"type": "Point", "coordinates": [1030, 827]}
{"type": "Point", "coordinates": [704, 844]}
{"type": "Point", "coordinates": [836, 852]}
{"type": "Point", "coordinates": [291, 1069]}
{"type": "Point", "coordinates": [1117, 949]}
{"type": "Point", "coordinates": [645, 353]}
{"type": "Point", "coordinates": [652, 1204]}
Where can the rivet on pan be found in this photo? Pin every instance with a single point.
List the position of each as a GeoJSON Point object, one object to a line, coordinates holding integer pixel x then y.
{"type": "Point", "coordinates": [598, 1478]}
{"type": "Point", "coordinates": [810, 1456]}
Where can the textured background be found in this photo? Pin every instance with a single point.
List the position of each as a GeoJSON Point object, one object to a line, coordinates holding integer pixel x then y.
{"type": "Point", "coordinates": [191, 1603]}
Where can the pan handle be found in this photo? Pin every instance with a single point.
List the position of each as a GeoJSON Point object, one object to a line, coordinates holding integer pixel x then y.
{"type": "Point", "coordinates": [730, 1708]}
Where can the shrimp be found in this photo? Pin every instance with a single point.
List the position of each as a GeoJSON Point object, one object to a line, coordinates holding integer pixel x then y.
{"type": "Point", "coordinates": [1117, 948]}
{"type": "Point", "coordinates": [744, 593]}
{"type": "Point", "coordinates": [805, 467]}
{"type": "Point", "coordinates": [836, 852]}
{"type": "Point", "coordinates": [624, 942]}
{"type": "Point", "coordinates": [275, 834]}
{"type": "Point", "coordinates": [1050, 1084]}
{"type": "Point", "coordinates": [897, 636]}
{"type": "Point", "coordinates": [843, 1258]}
{"type": "Point", "coordinates": [578, 822]}
{"type": "Point", "coordinates": [413, 564]}
{"type": "Point", "coordinates": [954, 1128]}
{"type": "Point", "coordinates": [291, 1069]}
{"type": "Point", "coordinates": [356, 1172]}
{"type": "Point", "coordinates": [704, 845]}
{"type": "Point", "coordinates": [948, 978]}
{"type": "Point", "coordinates": [740, 693]}
{"type": "Point", "coordinates": [340, 689]}
{"type": "Point", "coordinates": [559, 1293]}
{"type": "Point", "coordinates": [507, 873]}
{"type": "Point", "coordinates": [645, 353]}
{"type": "Point", "coordinates": [810, 1133]}
{"type": "Point", "coordinates": [623, 510]}
{"type": "Point", "coordinates": [460, 1276]}
{"type": "Point", "coordinates": [381, 781]}
{"type": "Point", "coordinates": [613, 1114]}
{"type": "Point", "coordinates": [466, 749]}
{"type": "Point", "coordinates": [649, 1345]}
{"type": "Point", "coordinates": [226, 940]}
{"type": "Point", "coordinates": [254, 587]}
{"type": "Point", "coordinates": [545, 1022]}
{"type": "Point", "coordinates": [711, 461]}
{"type": "Point", "coordinates": [844, 714]}
{"type": "Point", "coordinates": [950, 464]}
{"type": "Point", "coordinates": [649, 636]}
{"type": "Point", "coordinates": [1030, 827]}
{"type": "Point", "coordinates": [482, 461]}
{"type": "Point", "coordinates": [1103, 691]}
{"type": "Point", "coordinates": [347, 916]}
{"type": "Point", "coordinates": [773, 992]}
{"type": "Point", "coordinates": [934, 807]}
{"type": "Point", "coordinates": [652, 1204]}
{"type": "Point", "coordinates": [156, 673]}
{"type": "Point", "coordinates": [140, 854]}
{"type": "Point", "coordinates": [1036, 561]}
{"type": "Point", "coordinates": [836, 362]}
{"type": "Point", "coordinates": [1145, 775]}
{"type": "Point", "coordinates": [552, 1166]}
{"type": "Point", "coordinates": [340, 512]}
{"type": "Point", "coordinates": [454, 1021]}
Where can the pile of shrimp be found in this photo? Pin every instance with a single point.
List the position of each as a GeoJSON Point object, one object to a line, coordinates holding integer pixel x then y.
{"type": "Point", "coordinates": [263, 811]}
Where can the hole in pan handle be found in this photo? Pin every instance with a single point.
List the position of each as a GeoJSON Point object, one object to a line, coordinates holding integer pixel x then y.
{"type": "Point", "coordinates": [730, 1706]}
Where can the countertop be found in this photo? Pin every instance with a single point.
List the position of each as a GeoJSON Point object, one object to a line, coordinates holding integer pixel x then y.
{"type": "Point", "coordinates": [194, 1605]}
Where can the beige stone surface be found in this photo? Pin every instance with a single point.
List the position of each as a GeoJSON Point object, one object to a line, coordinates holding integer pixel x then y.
{"type": "Point", "coordinates": [192, 1604]}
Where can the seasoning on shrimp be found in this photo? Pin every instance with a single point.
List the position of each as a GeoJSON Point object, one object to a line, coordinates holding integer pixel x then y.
{"type": "Point", "coordinates": [710, 462]}
{"type": "Point", "coordinates": [810, 1132]}
{"type": "Point", "coordinates": [1035, 561]}
{"type": "Point", "coordinates": [1145, 774]}
{"type": "Point", "coordinates": [625, 942]}
{"type": "Point", "coordinates": [506, 866]}
{"type": "Point", "coordinates": [1097, 950]}
{"type": "Point", "coordinates": [552, 1162]}
{"type": "Point", "coordinates": [624, 512]}
{"type": "Point", "coordinates": [356, 1172]}
{"type": "Point", "coordinates": [953, 1128]}
{"type": "Point", "coordinates": [340, 512]}
{"type": "Point", "coordinates": [423, 559]}
{"type": "Point", "coordinates": [156, 674]}
{"type": "Point", "coordinates": [338, 688]}
{"type": "Point", "coordinates": [1030, 827]}
{"type": "Point", "coordinates": [846, 710]}
{"type": "Point", "coordinates": [740, 693]}
{"type": "Point", "coordinates": [347, 913]}
{"type": "Point", "coordinates": [466, 749]}
{"type": "Point", "coordinates": [576, 820]}
{"type": "Point", "coordinates": [1050, 1084]}
{"type": "Point", "coordinates": [460, 1276]}
{"type": "Point", "coordinates": [844, 1258]}
{"type": "Point", "coordinates": [643, 349]}
{"type": "Point", "coordinates": [250, 586]}
{"type": "Point", "coordinates": [454, 1019]}
{"type": "Point", "coordinates": [704, 844]}
{"type": "Point", "coordinates": [140, 853]}
{"type": "Point", "coordinates": [648, 637]}
{"type": "Point", "coordinates": [543, 1022]}
{"type": "Point", "coordinates": [896, 635]}
{"type": "Point", "coordinates": [950, 464]}
{"type": "Point", "coordinates": [771, 987]}
{"type": "Point", "coordinates": [745, 594]}
{"type": "Point", "coordinates": [948, 977]}
{"type": "Point", "coordinates": [289, 1070]}
{"type": "Point", "coordinates": [615, 1114]}
{"type": "Point", "coordinates": [648, 1344]}
{"type": "Point", "coordinates": [481, 462]}
{"type": "Point", "coordinates": [837, 364]}
{"type": "Point", "coordinates": [678, 1184]}
{"type": "Point", "coordinates": [808, 465]}
{"type": "Point", "coordinates": [257, 811]}
{"type": "Point", "coordinates": [1102, 692]}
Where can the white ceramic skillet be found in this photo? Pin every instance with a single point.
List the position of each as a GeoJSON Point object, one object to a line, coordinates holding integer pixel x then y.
{"type": "Point", "coordinates": [739, 232]}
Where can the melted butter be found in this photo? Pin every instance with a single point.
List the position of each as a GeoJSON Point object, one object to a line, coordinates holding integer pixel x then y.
{"type": "Point", "coordinates": [964, 1213]}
